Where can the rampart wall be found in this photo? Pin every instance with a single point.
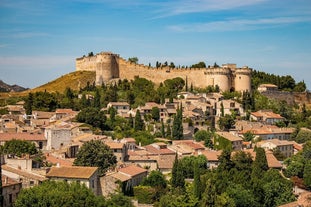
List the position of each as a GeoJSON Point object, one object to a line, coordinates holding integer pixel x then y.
{"type": "Point", "coordinates": [109, 66]}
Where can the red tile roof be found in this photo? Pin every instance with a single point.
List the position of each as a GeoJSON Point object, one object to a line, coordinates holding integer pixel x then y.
{"type": "Point", "coordinates": [153, 150]}
{"type": "Point", "coordinates": [132, 170]}
{"type": "Point", "coordinates": [71, 172]}
{"type": "Point", "coordinates": [6, 181]}
{"type": "Point", "coordinates": [22, 136]}
{"type": "Point", "coordinates": [55, 160]}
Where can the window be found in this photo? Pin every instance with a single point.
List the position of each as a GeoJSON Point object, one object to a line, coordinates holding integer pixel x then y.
{"type": "Point", "coordinates": [93, 184]}
{"type": "Point", "coordinates": [32, 182]}
{"type": "Point", "coordinates": [40, 145]}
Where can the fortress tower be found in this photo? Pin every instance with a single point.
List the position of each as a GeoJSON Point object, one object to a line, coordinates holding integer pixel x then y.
{"type": "Point", "coordinates": [220, 77]}
{"type": "Point", "coordinates": [109, 66]}
{"type": "Point", "coordinates": [242, 79]}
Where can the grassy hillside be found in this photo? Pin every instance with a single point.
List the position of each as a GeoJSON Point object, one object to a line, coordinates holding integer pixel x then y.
{"type": "Point", "coordinates": [74, 80]}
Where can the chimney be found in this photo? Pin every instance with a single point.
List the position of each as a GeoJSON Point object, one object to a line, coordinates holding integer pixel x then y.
{"type": "Point", "coordinates": [57, 164]}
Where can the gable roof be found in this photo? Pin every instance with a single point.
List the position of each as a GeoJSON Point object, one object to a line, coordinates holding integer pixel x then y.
{"type": "Point", "coordinates": [132, 170]}
{"type": "Point", "coordinates": [22, 136]}
{"type": "Point", "coordinates": [71, 172]}
{"type": "Point", "coordinates": [23, 173]}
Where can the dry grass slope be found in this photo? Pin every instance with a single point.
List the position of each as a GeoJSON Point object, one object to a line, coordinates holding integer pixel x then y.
{"type": "Point", "coordinates": [73, 80]}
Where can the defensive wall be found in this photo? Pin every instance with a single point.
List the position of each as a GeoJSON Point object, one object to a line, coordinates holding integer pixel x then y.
{"type": "Point", "coordinates": [109, 66]}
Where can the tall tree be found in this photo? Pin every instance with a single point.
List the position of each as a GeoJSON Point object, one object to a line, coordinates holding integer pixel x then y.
{"type": "Point", "coordinates": [307, 174]}
{"type": "Point", "coordinates": [177, 131]}
{"type": "Point", "coordinates": [95, 153]}
{"type": "Point", "coordinates": [196, 181]}
{"type": "Point", "coordinates": [155, 113]}
{"type": "Point", "coordinates": [177, 179]}
{"type": "Point", "coordinates": [138, 122]}
{"type": "Point", "coordinates": [28, 104]}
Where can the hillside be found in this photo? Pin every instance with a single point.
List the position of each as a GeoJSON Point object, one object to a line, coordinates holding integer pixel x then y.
{"type": "Point", "coordinates": [74, 80]}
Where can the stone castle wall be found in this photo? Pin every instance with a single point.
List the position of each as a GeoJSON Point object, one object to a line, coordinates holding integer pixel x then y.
{"type": "Point", "coordinates": [109, 66]}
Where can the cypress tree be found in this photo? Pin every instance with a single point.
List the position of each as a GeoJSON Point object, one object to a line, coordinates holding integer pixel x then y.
{"type": "Point", "coordinates": [29, 104]}
{"type": "Point", "coordinates": [178, 179]}
{"type": "Point", "coordinates": [177, 125]}
{"type": "Point", "coordinates": [197, 182]}
{"type": "Point", "coordinates": [307, 175]}
{"type": "Point", "coordinates": [138, 123]}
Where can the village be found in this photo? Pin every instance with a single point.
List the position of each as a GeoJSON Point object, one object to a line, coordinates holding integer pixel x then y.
{"type": "Point", "coordinates": [60, 138]}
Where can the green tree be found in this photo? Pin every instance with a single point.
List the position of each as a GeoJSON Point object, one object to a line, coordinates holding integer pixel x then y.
{"type": "Point", "coordinates": [177, 179]}
{"type": "Point", "coordinates": [155, 113]}
{"type": "Point", "coordinates": [225, 123]}
{"type": "Point", "coordinates": [197, 181]}
{"type": "Point", "coordinates": [155, 179]}
{"type": "Point", "coordinates": [206, 136]}
{"type": "Point", "coordinates": [52, 193]}
{"type": "Point", "coordinates": [28, 104]}
{"type": "Point", "coordinates": [95, 153]}
{"type": "Point", "coordinates": [199, 65]}
{"type": "Point", "coordinates": [248, 136]}
{"type": "Point", "coordinates": [177, 131]}
{"type": "Point", "coordinates": [19, 147]}
{"type": "Point", "coordinates": [117, 200]}
{"type": "Point", "coordinates": [307, 174]}
{"type": "Point", "coordinates": [93, 116]}
{"type": "Point", "coordinates": [138, 122]}
{"type": "Point", "coordinates": [260, 164]}
{"type": "Point", "coordinates": [133, 60]}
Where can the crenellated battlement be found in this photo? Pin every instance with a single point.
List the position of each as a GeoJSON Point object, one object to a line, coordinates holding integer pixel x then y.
{"type": "Point", "coordinates": [109, 66]}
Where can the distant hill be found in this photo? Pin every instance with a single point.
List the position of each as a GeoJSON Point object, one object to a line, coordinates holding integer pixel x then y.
{"type": "Point", "coordinates": [74, 80]}
{"type": "Point", "coordinates": [4, 87]}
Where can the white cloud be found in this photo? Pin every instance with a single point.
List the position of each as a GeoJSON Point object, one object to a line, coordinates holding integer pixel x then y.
{"type": "Point", "coordinates": [29, 61]}
{"type": "Point", "coordinates": [238, 24]}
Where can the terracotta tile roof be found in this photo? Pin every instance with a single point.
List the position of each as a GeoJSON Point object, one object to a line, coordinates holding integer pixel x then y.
{"type": "Point", "coordinates": [267, 114]}
{"type": "Point", "coordinates": [55, 160]}
{"type": "Point", "coordinates": [43, 114]}
{"type": "Point", "coordinates": [229, 136]}
{"type": "Point", "coordinates": [120, 176]}
{"type": "Point", "coordinates": [23, 173]}
{"type": "Point", "coordinates": [10, 125]}
{"type": "Point", "coordinates": [115, 145]}
{"type": "Point", "coordinates": [143, 158]}
{"type": "Point", "coordinates": [7, 181]}
{"type": "Point", "coordinates": [276, 142]}
{"type": "Point", "coordinates": [22, 136]}
{"type": "Point", "coordinates": [153, 150]}
{"type": "Point", "coordinates": [211, 155]}
{"type": "Point", "coordinates": [71, 172]}
{"type": "Point", "coordinates": [132, 170]}
{"type": "Point", "coordinates": [272, 161]}
{"type": "Point", "coordinates": [65, 111]}
{"type": "Point", "coordinates": [166, 161]}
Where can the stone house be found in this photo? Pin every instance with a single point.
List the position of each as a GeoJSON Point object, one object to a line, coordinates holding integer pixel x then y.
{"type": "Point", "coordinates": [125, 178]}
{"type": "Point", "coordinates": [266, 116]}
{"type": "Point", "coordinates": [284, 146]}
{"type": "Point", "coordinates": [10, 190]}
{"type": "Point", "coordinates": [119, 150]}
{"type": "Point", "coordinates": [229, 106]}
{"type": "Point", "coordinates": [222, 139]}
{"type": "Point", "coordinates": [84, 175]}
{"type": "Point", "coordinates": [121, 107]}
{"type": "Point", "coordinates": [27, 178]}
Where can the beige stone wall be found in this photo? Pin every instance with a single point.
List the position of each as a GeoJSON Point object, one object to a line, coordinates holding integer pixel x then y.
{"type": "Point", "coordinates": [109, 66]}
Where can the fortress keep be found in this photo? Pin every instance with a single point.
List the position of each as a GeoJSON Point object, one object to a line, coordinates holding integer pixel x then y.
{"type": "Point", "coordinates": [109, 66]}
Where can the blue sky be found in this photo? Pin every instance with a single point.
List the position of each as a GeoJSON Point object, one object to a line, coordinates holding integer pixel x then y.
{"type": "Point", "coordinates": [39, 40]}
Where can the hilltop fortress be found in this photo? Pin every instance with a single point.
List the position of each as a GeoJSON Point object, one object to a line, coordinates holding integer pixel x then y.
{"type": "Point", "coordinates": [109, 66]}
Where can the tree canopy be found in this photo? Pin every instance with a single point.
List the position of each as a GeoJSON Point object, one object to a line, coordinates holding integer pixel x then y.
{"type": "Point", "coordinates": [95, 153]}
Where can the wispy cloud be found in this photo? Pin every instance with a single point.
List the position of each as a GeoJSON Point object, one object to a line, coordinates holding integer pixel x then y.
{"type": "Point", "coordinates": [238, 24]}
{"type": "Point", "coordinates": [26, 61]}
{"type": "Point", "coordinates": [170, 8]}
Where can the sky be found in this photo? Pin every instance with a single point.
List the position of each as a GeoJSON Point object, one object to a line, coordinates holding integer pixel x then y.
{"type": "Point", "coordinates": [40, 40]}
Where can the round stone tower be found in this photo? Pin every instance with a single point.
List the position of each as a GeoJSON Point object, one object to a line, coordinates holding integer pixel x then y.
{"type": "Point", "coordinates": [242, 79]}
{"type": "Point", "coordinates": [220, 77]}
{"type": "Point", "coordinates": [107, 67]}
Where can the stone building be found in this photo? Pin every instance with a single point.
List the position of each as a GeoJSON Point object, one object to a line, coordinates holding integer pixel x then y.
{"type": "Point", "coordinates": [109, 66]}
